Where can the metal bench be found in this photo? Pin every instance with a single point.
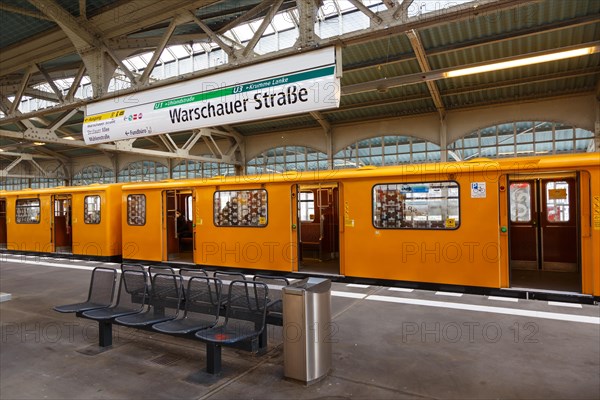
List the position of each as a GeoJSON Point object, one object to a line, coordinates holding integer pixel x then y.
{"type": "Point", "coordinates": [244, 310]}
{"type": "Point", "coordinates": [201, 309]}
{"type": "Point", "coordinates": [100, 293]}
{"type": "Point", "coordinates": [164, 302]}
{"type": "Point", "coordinates": [245, 319]}
{"type": "Point", "coordinates": [131, 300]}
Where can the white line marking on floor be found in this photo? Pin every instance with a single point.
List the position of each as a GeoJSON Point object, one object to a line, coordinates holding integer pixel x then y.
{"type": "Point", "coordinates": [401, 289]}
{"type": "Point", "coordinates": [5, 297]}
{"type": "Point", "coordinates": [488, 309]}
{"type": "Point", "coordinates": [47, 264]}
{"type": "Point", "coordinates": [356, 285]}
{"type": "Point", "coordinates": [451, 294]}
{"type": "Point", "coordinates": [561, 304]}
{"type": "Point", "coordinates": [348, 294]}
{"type": "Point", "coordinates": [500, 298]}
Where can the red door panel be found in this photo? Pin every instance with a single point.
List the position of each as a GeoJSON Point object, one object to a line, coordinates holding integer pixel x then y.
{"type": "Point", "coordinates": [558, 221]}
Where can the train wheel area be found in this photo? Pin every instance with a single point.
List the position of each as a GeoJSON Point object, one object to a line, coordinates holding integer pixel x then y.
{"type": "Point", "coordinates": [387, 343]}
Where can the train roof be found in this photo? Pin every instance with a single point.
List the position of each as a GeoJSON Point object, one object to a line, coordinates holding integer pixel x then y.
{"type": "Point", "coordinates": [477, 164]}
{"type": "Point", "coordinates": [94, 187]}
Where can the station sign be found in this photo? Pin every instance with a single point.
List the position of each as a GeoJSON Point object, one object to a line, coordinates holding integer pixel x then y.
{"type": "Point", "coordinates": [297, 84]}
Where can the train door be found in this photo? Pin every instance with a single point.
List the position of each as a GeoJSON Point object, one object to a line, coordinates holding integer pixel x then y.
{"type": "Point", "coordinates": [178, 217]}
{"type": "Point", "coordinates": [62, 229]}
{"type": "Point", "coordinates": [544, 234]}
{"type": "Point", "coordinates": [317, 207]}
{"type": "Point", "coordinates": [3, 227]}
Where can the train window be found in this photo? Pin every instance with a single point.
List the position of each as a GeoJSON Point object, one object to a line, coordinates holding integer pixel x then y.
{"type": "Point", "coordinates": [428, 205]}
{"type": "Point", "coordinates": [557, 201]}
{"type": "Point", "coordinates": [28, 211]}
{"type": "Point", "coordinates": [91, 209]}
{"type": "Point", "coordinates": [520, 202]}
{"type": "Point", "coordinates": [136, 209]}
{"type": "Point", "coordinates": [307, 206]}
{"type": "Point", "coordinates": [241, 208]}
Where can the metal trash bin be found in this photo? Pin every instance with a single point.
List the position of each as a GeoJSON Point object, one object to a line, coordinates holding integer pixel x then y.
{"type": "Point", "coordinates": [307, 329]}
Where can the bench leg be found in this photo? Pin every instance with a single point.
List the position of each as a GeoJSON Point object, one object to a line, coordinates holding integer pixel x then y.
{"type": "Point", "coordinates": [213, 358]}
{"type": "Point", "coordinates": [263, 339]}
{"type": "Point", "coordinates": [104, 333]}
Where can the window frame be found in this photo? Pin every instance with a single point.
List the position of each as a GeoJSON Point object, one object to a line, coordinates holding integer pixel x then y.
{"type": "Point", "coordinates": [546, 194]}
{"type": "Point", "coordinates": [85, 221]}
{"type": "Point", "coordinates": [458, 223]}
{"type": "Point", "coordinates": [531, 202]}
{"type": "Point", "coordinates": [266, 204]}
{"type": "Point", "coordinates": [39, 207]}
{"type": "Point", "coordinates": [129, 198]}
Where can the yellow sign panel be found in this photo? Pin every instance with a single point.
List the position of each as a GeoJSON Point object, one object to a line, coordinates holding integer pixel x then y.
{"type": "Point", "coordinates": [596, 215]}
{"type": "Point", "coordinates": [102, 117]}
{"type": "Point", "coordinates": [557, 194]}
{"type": "Point", "coordinates": [450, 223]}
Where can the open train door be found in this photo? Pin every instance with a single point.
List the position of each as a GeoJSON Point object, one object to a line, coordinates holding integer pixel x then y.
{"type": "Point", "coordinates": [3, 227]}
{"type": "Point", "coordinates": [544, 232]}
{"type": "Point", "coordinates": [317, 209]}
{"type": "Point", "coordinates": [178, 223]}
{"type": "Point", "coordinates": [62, 228]}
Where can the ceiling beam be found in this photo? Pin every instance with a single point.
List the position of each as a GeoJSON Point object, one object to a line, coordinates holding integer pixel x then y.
{"type": "Point", "coordinates": [74, 28]}
{"type": "Point", "coordinates": [401, 12]}
{"type": "Point", "coordinates": [20, 92]}
{"type": "Point", "coordinates": [419, 50]}
{"type": "Point", "coordinates": [82, 9]}
{"type": "Point", "coordinates": [261, 29]}
{"type": "Point", "coordinates": [76, 82]}
{"type": "Point", "coordinates": [366, 10]}
{"type": "Point", "coordinates": [41, 94]}
{"type": "Point", "coordinates": [50, 82]}
{"type": "Point", "coordinates": [320, 118]}
{"type": "Point", "coordinates": [389, 4]}
{"type": "Point", "coordinates": [218, 39]}
{"type": "Point", "coordinates": [47, 136]}
{"type": "Point", "coordinates": [253, 12]}
{"type": "Point", "coordinates": [177, 20]}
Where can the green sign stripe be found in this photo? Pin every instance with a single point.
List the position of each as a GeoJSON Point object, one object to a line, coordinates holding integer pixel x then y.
{"type": "Point", "coordinates": [267, 83]}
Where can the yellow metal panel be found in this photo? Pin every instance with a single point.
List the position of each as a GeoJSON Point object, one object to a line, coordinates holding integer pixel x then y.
{"type": "Point", "coordinates": [272, 247]}
{"type": "Point", "coordinates": [143, 242]}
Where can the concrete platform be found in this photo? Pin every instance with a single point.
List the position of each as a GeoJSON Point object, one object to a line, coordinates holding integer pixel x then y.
{"type": "Point", "coordinates": [387, 344]}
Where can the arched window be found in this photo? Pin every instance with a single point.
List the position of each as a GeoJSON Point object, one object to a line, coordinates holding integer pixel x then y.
{"type": "Point", "coordinates": [93, 174]}
{"type": "Point", "coordinates": [387, 150]}
{"type": "Point", "coordinates": [146, 171]}
{"type": "Point", "coordinates": [287, 158]}
{"type": "Point", "coordinates": [34, 183]}
{"type": "Point", "coordinates": [197, 169]}
{"type": "Point", "coordinates": [519, 139]}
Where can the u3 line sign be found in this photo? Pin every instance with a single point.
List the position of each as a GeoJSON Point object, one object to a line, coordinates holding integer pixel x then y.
{"type": "Point", "coordinates": [291, 85]}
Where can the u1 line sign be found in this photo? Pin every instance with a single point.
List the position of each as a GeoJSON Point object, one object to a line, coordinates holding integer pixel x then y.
{"type": "Point", "coordinates": [292, 85]}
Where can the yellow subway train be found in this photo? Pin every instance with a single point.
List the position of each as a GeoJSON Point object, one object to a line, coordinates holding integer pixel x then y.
{"type": "Point", "coordinates": [523, 224]}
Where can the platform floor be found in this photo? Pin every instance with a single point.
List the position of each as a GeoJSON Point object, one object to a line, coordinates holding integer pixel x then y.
{"type": "Point", "coordinates": [389, 343]}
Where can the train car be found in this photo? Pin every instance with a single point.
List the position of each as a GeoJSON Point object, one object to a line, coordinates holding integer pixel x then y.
{"type": "Point", "coordinates": [83, 221]}
{"type": "Point", "coordinates": [525, 224]}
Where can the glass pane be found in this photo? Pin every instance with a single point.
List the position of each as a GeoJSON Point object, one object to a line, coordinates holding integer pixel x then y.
{"type": "Point", "coordinates": [136, 209]}
{"type": "Point", "coordinates": [240, 208]}
{"type": "Point", "coordinates": [307, 206]}
{"type": "Point", "coordinates": [520, 202]}
{"type": "Point", "coordinates": [91, 210]}
{"type": "Point", "coordinates": [433, 205]}
{"type": "Point", "coordinates": [557, 201]}
{"type": "Point", "coordinates": [27, 211]}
